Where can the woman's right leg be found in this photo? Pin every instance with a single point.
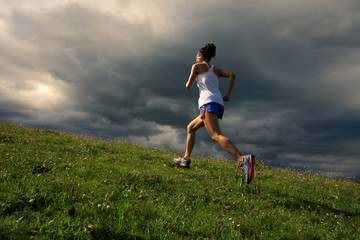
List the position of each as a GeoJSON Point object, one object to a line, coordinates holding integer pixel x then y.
{"type": "Point", "coordinates": [193, 126]}
{"type": "Point", "coordinates": [212, 126]}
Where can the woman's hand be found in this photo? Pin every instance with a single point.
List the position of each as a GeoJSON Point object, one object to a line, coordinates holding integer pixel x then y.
{"type": "Point", "coordinates": [226, 98]}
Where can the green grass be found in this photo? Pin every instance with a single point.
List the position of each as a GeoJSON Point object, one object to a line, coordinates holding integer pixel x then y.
{"type": "Point", "coordinates": [89, 194]}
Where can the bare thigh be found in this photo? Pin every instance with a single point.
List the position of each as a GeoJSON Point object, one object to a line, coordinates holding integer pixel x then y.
{"type": "Point", "coordinates": [195, 124]}
{"type": "Point", "coordinates": [211, 123]}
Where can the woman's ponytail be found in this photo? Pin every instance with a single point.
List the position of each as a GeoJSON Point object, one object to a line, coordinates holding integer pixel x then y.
{"type": "Point", "coordinates": [208, 51]}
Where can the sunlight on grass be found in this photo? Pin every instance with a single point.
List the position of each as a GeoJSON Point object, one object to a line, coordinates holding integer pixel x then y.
{"type": "Point", "coordinates": [90, 188]}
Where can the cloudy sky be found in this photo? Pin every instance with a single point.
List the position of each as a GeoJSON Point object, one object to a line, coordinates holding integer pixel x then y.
{"type": "Point", "coordinates": [117, 69]}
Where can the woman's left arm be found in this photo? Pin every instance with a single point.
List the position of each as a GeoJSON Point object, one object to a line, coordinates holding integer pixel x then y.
{"type": "Point", "coordinates": [192, 77]}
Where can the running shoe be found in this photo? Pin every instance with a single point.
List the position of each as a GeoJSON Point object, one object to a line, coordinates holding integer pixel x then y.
{"type": "Point", "coordinates": [249, 164]}
{"type": "Point", "coordinates": [184, 162]}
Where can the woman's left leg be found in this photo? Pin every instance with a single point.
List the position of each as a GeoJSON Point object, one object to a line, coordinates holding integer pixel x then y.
{"type": "Point", "coordinates": [211, 122]}
{"type": "Point", "coordinates": [193, 126]}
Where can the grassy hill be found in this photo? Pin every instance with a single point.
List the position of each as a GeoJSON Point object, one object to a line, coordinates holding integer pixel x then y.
{"type": "Point", "coordinates": [58, 185]}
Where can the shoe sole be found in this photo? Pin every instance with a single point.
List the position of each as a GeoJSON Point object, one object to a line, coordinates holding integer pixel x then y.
{"type": "Point", "coordinates": [181, 164]}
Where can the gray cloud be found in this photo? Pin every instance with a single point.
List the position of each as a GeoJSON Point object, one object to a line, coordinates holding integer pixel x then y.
{"type": "Point", "coordinates": [118, 70]}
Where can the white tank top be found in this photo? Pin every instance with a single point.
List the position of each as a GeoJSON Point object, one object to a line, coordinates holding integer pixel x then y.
{"type": "Point", "coordinates": [208, 84]}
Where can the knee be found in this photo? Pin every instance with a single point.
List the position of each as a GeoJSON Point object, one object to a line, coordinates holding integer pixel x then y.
{"type": "Point", "coordinates": [190, 128]}
{"type": "Point", "coordinates": [215, 137]}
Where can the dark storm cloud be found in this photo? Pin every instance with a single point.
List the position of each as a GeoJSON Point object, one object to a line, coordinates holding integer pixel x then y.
{"type": "Point", "coordinates": [118, 71]}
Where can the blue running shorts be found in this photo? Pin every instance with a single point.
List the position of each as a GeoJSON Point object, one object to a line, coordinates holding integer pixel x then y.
{"type": "Point", "coordinates": [212, 107]}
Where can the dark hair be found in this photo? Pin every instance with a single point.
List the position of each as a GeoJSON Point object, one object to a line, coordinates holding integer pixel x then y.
{"type": "Point", "coordinates": [208, 51]}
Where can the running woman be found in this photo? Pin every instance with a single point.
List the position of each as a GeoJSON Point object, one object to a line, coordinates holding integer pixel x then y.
{"type": "Point", "coordinates": [211, 106]}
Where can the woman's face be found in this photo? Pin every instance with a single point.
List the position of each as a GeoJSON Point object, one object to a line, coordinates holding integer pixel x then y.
{"type": "Point", "coordinates": [199, 58]}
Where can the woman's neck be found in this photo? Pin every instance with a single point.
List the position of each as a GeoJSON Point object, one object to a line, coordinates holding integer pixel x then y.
{"type": "Point", "coordinates": [207, 62]}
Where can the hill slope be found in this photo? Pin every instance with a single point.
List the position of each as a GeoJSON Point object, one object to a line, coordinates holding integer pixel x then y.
{"type": "Point", "coordinates": [89, 188]}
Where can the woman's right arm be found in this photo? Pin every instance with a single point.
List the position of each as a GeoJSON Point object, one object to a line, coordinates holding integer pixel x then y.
{"type": "Point", "coordinates": [231, 76]}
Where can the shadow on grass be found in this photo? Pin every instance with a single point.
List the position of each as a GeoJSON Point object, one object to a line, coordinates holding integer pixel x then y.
{"type": "Point", "coordinates": [292, 202]}
{"type": "Point", "coordinates": [296, 203]}
{"type": "Point", "coordinates": [106, 233]}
